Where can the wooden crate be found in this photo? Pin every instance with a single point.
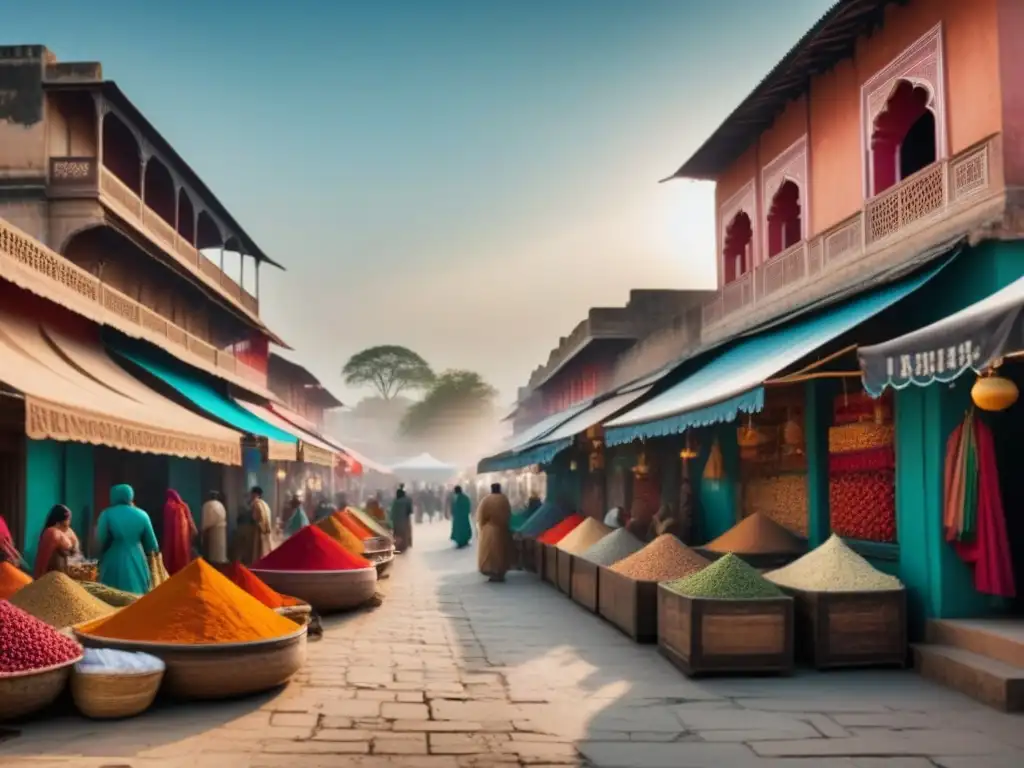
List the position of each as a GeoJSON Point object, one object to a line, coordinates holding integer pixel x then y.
{"type": "Point", "coordinates": [538, 558]}
{"type": "Point", "coordinates": [584, 583]}
{"type": "Point", "coordinates": [551, 564]}
{"type": "Point", "coordinates": [630, 605]}
{"type": "Point", "coordinates": [702, 636]}
{"type": "Point", "coordinates": [851, 629]}
{"type": "Point", "coordinates": [769, 561]}
{"type": "Point", "coordinates": [565, 565]}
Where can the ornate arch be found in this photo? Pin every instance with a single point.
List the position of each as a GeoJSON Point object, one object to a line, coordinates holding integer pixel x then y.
{"type": "Point", "coordinates": [788, 165]}
{"type": "Point", "coordinates": [743, 200]}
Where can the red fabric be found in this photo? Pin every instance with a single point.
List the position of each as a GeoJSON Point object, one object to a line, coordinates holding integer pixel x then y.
{"type": "Point", "coordinates": [7, 548]}
{"type": "Point", "coordinates": [179, 529]}
{"type": "Point", "coordinates": [862, 505]}
{"type": "Point", "coordinates": [868, 460]}
{"type": "Point", "coordinates": [989, 553]}
{"type": "Point", "coordinates": [558, 532]}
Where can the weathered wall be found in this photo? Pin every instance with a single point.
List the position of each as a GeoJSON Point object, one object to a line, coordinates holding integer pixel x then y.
{"type": "Point", "coordinates": [22, 127]}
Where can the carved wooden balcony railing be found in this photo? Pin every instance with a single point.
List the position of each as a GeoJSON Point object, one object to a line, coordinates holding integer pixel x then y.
{"type": "Point", "coordinates": [930, 194]}
{"type": "Point", "coordinates": [64, 282]}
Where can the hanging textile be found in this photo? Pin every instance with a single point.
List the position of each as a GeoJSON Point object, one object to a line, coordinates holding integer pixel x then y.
{"type": "Point", "coordinates": [973, 517]}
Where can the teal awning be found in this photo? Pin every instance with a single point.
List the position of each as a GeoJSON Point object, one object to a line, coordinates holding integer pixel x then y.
{"type": "Point", "coordinates": [514, 455]}
{"type": "Point", "coordinates": [206, 398]}
{"type": "Point", "coordinates": [732, 382]}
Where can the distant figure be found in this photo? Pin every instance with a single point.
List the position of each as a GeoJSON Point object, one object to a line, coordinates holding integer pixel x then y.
{"type": "Point", "coordinates": [296, 517]}
{"type": "Point", "coordinates": [533, 503]}
{"type": "Point", "coordinates": [179, 533]}
{"type": "Point", "coordinates": [324, 508]}
{"type": "Point", "coordinates": [401, 520]}
{"type": "Point", "coordinates": [126, 538]}
{"type": "Point", "coordinates": [214, 526]}
{"type": "Point", "coordinates": [57, 542]}
{"type": "Point", "coordinates": [262, 520]}
{"type": "Point", "coordinates": [462, 531]}
{"type": "Point", "coordinates": [494, 556]}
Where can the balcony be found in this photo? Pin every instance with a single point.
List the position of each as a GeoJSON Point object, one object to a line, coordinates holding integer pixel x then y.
{"type": "Point", "coordinates": [77, 176]}
{"type": "Point", "coordinates": [883, 232]}
{"type": "Point", "coordinates": [34, 267]}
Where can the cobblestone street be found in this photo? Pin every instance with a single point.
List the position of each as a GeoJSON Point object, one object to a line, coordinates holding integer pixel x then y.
{"type": "Point", "coordinates": [453, 671]}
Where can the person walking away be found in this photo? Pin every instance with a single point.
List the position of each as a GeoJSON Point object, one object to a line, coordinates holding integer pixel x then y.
{"type": "Point", "coordinates": [179, 533]}
{"type": "Point", "coordinates": [462, 531]}
{"type": "Point", "coordinates": [57, 542]}
{"type": "Point", "coordinates": [401, 520]}
{"type": "Point", "coordinates": [494, 555]}
{"type": "Point", "coordinates": [296, 517]}
{"type": "Point", "coordinates": [263, 525]}
{"type": "Point", "coordinates": [126, 538]}
{"type": "Point", "coordinates": [215, 529]}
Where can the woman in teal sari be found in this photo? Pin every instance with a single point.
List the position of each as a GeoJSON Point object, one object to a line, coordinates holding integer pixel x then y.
{"type": "Point", "coordinates": [298, 519]}
{"type": "Point", "coordinates": [125, 535]}
{"type": "Point", "coordinates": [462, 531]}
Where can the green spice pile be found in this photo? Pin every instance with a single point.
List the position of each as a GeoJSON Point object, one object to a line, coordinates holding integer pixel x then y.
{"type": "Point", "coordinates": [663, 559]}
{"type": "Point", "coordinates": [833, 567]}
{"type": "Point", "coordinates": [115, 597]}
{"type": "Point", "coordinates": [59, 601]}
{"type": "Point", "coordinates": [727, 578]}
{"type": "Point", "coordinates": [617, 545]}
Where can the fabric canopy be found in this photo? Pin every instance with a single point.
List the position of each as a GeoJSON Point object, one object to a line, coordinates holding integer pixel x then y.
{"type": "Point", "coordinates": [506, 458]}
{"type": "Point", "coordinates": [971, 339]}
{"type": "Point", "coordinates": [280, 444]}
{"type": "Point", "coordinates": [732, 382]}
{"type": "Point", "coordinates": [313, 450]}
{"type": "Point", "coordinates": [424, 468]}
{"type": "Point", "coordinates": [73, 392]}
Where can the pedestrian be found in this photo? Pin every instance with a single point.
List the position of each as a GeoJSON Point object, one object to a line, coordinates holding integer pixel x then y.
{"type": "Point", "coordinates": [214, 523]}
{"type": "Point", "coordinates": [262, 524]}
{"type": "Point", "coordinates": [401, 520]}
{"type": "Point", "coordinates": [295, 516]}
{"type": "Point", "coordinates": [126, 538]}
{"type": "Point", "coordinates": [462, 531]}
{"type": "Point", "coordinates": [57, 542]}
{"type": "Point", "coordinates": [179, 533]}
{"type": "Point", "coordinates": [494, 555]}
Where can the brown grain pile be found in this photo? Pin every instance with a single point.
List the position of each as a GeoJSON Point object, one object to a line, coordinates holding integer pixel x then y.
{"type": "Point", "coordinates": [59, 601]}
{"type": "Point", "coordinates": [584, 536]}
{"type": "Point", "coordinates": [756, 535]}
{"type": "Point", "coordinates": [664, 559]}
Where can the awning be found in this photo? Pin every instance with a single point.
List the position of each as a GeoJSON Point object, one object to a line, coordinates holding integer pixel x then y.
{"type": "Point", "coordinates": [74, 392]}
{"type": "Point", "coordinates": [732, 382]}
{"type": "Point", "coordinates": [281, 446]}
{"type": "Point", "coordinates": [506, 459]}
{"type": "Point", "coordinates": [312, 449]}
{"type": "Point", "coordinates": [969, 340]}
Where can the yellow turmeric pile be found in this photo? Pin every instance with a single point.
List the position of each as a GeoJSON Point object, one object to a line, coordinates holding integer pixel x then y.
{"type": "Point", "coordinates": [334, 528]}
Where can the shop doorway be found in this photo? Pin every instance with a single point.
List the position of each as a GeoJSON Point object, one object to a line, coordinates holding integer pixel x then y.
{"type": "Point", "coordinates": [1007, 429]}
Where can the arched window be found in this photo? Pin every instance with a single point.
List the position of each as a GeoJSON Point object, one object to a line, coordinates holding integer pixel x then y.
{"type": "Point", "coordinates": [785, 229]}
{"type": "Point", "coordinates": [904, 137]}
{"type": "Point", "coordinates": [738, 250]}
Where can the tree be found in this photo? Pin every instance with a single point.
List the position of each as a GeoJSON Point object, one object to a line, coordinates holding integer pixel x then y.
{"type": "Point", "coordinates": [455, 397]}
{"type": "Point", "coordinates": [389, 369]}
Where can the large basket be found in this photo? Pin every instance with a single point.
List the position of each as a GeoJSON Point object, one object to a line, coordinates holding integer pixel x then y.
{"type": "Point", "coordinates": [325, 591]}
{"type": "Point", "coordinates": [221, 670]}
{"type": "Point", "coordinates": [108, 696]}
{"type": "Point", "coordinates": [23, 693]}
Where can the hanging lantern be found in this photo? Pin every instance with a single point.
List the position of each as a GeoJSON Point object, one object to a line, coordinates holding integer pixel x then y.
{"type": "Point", "coordinates": [689, 452]}
{"type": "Point", "coordinates": [641, 469]}
{"type": "Point", "coordinates": [714, 469]}
{"type": "Point", "coordinates": [572, 465]}
{"type": "Point", "coordinates": [994, 393]}
{"type": "Point", "coordinates": [750, 436]}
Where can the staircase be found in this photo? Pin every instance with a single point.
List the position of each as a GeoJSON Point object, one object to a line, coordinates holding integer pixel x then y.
{"type": "Point", "coordinates": [983, 658]}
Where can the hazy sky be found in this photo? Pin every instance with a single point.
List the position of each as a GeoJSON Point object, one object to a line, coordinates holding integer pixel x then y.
{"type": "Point", "coordinates": [465, 177]}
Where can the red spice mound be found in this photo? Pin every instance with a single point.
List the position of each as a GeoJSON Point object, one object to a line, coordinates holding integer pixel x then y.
{"type": "Point", "coordinates": [311, 550]}
{"type": "Point", "coordinates": [560, 531]}
{"type": "Point", "coordinates": [26, 643]}
{"type": "Point", "coordinates": [354, 525]}
{"type": "Point", "coordinates": [251, 583]}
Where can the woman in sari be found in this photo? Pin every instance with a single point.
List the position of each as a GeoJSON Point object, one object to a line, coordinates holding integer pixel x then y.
{"type": "Point", "coordinates": [401, 520]}
{"type": "Point", "coordinates": [297, 517]}
{"type": "Point", "coordinates": [494, 556]}
{"type": "Point", "coordinates": [57, 542]}
{"type": "Point", "coordinates": [462, 531]}
{"type": "Point", "coordinates": [126, 538]}
{"type": "Point", "coordinates": [179, 533]}
{"type": "Point", "coordinates": [262, 524]}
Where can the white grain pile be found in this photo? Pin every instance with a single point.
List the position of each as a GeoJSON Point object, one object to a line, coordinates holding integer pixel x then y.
{"type": "Point", "coordinates": [617, 545]}
{"type": "Point", "coordinates": [833, 567]}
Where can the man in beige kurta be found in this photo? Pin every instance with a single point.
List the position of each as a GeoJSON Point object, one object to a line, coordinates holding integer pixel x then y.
{"type": "Point", "coordinates": [494, 555]}
{"type": "Point", "coordinates": [262, 519]}
{"type": "Point", "coordinates": [214, 525]}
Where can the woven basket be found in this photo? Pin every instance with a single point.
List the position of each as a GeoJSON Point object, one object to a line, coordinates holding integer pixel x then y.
{"type": "Point", "coordinates": [860, 437]}
{"type": "Point", "coordinates": [110, 696]}
{"type": "Point", "coordinates": [23, 693]}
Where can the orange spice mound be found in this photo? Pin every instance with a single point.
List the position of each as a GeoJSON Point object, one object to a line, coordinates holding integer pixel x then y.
{"type": "Point", "coordinates": [253, 584]}
{"type": "Point", "coordinates": [756, 535]}
{"type": "Point", "coordinates": [337, 531]}
{"type": "Point", "coordinates": [354, 525]}
{"type": "Point", "coordinates": [561, 530]}
{"type": "Point", "coordinates": [11, 580]}
{"type": "Point", "coordinates": [195, 606]}
{"type": "Point", "coordinates": [664, 559]}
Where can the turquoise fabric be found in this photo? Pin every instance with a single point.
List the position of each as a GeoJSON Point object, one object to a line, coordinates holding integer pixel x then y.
{"type": "Point", "coordinates": [125, 536]}
{"type": "Point", "coordinates": [208, 399]}
{"type": "Point", "coordinates": [296, 522]}
{"type": "Point", "coordinates": [462, 531]}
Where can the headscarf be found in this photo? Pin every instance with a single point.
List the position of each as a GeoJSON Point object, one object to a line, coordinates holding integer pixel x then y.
{"type": "Point", "coordinates": [173, 496]}
{"type": "Point", "coordinates": [121, 495]}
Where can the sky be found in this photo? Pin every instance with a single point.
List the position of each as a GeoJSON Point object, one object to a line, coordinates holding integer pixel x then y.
{"type": "Point", "coordinates": [462, 177]}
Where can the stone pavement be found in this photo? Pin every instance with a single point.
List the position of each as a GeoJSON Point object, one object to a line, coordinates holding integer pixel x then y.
{"type": "Point", "coordinates": [453, 672]}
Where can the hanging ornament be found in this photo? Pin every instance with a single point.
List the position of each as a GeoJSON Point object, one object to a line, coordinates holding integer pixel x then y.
{"type": "Point", "coordinates": [994, 393]}
{"type": "Point", "coordinates": [714, 469]}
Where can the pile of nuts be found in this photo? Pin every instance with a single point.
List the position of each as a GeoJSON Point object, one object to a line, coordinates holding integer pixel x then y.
{"type": "Point", "coordinates": [27, 644]}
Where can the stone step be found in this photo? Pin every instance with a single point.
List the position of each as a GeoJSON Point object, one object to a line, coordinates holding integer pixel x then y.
{"type": "Point", "coordinates": [999, 639]}
{"type": "Point", "coordinates": [988, 680]}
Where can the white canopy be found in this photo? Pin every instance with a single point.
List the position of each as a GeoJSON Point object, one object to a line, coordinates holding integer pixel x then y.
{"type": "Point", "coordinates": [424, 468]}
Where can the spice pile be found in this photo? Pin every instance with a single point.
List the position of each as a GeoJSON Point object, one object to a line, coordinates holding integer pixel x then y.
{"type": "Point", "coordinates": [242, 577]}
{"type": "Point", "coordinates": [617, 545]}
{"type": "Point", "coordinates": [557, 533]}
{"type": "Point", "coordinates": [354, 525]}
{"type": "Point", "coordinates": [584, 536]}
{"type": "Point", "coordinates": [312, 550]}
{"type": "Point", "coordinates": [26, 643]}
{"type": "Point", "coordinates": [59, 601]}
{"type": "Point", "coordinates": [195, 606]}
{"type": "Point", "coordinates": [756, 535]}
{"type": "Point", "coordinates": [728, 578]}
{"type": "Point", "coordinates": [369, 522]}
{"type": "Point", "coordinates": [115, 597]}
{"type": "Point", "coordinates": [11, 579]}
{"type": "Point", "coordinates": [340, 534]}
{"type": "Point", "coordinates": [547, 516]}
{"type": "Point", "coordinates": [833, 567]}
{"type": "Point", "coordinates": [663, 559]}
